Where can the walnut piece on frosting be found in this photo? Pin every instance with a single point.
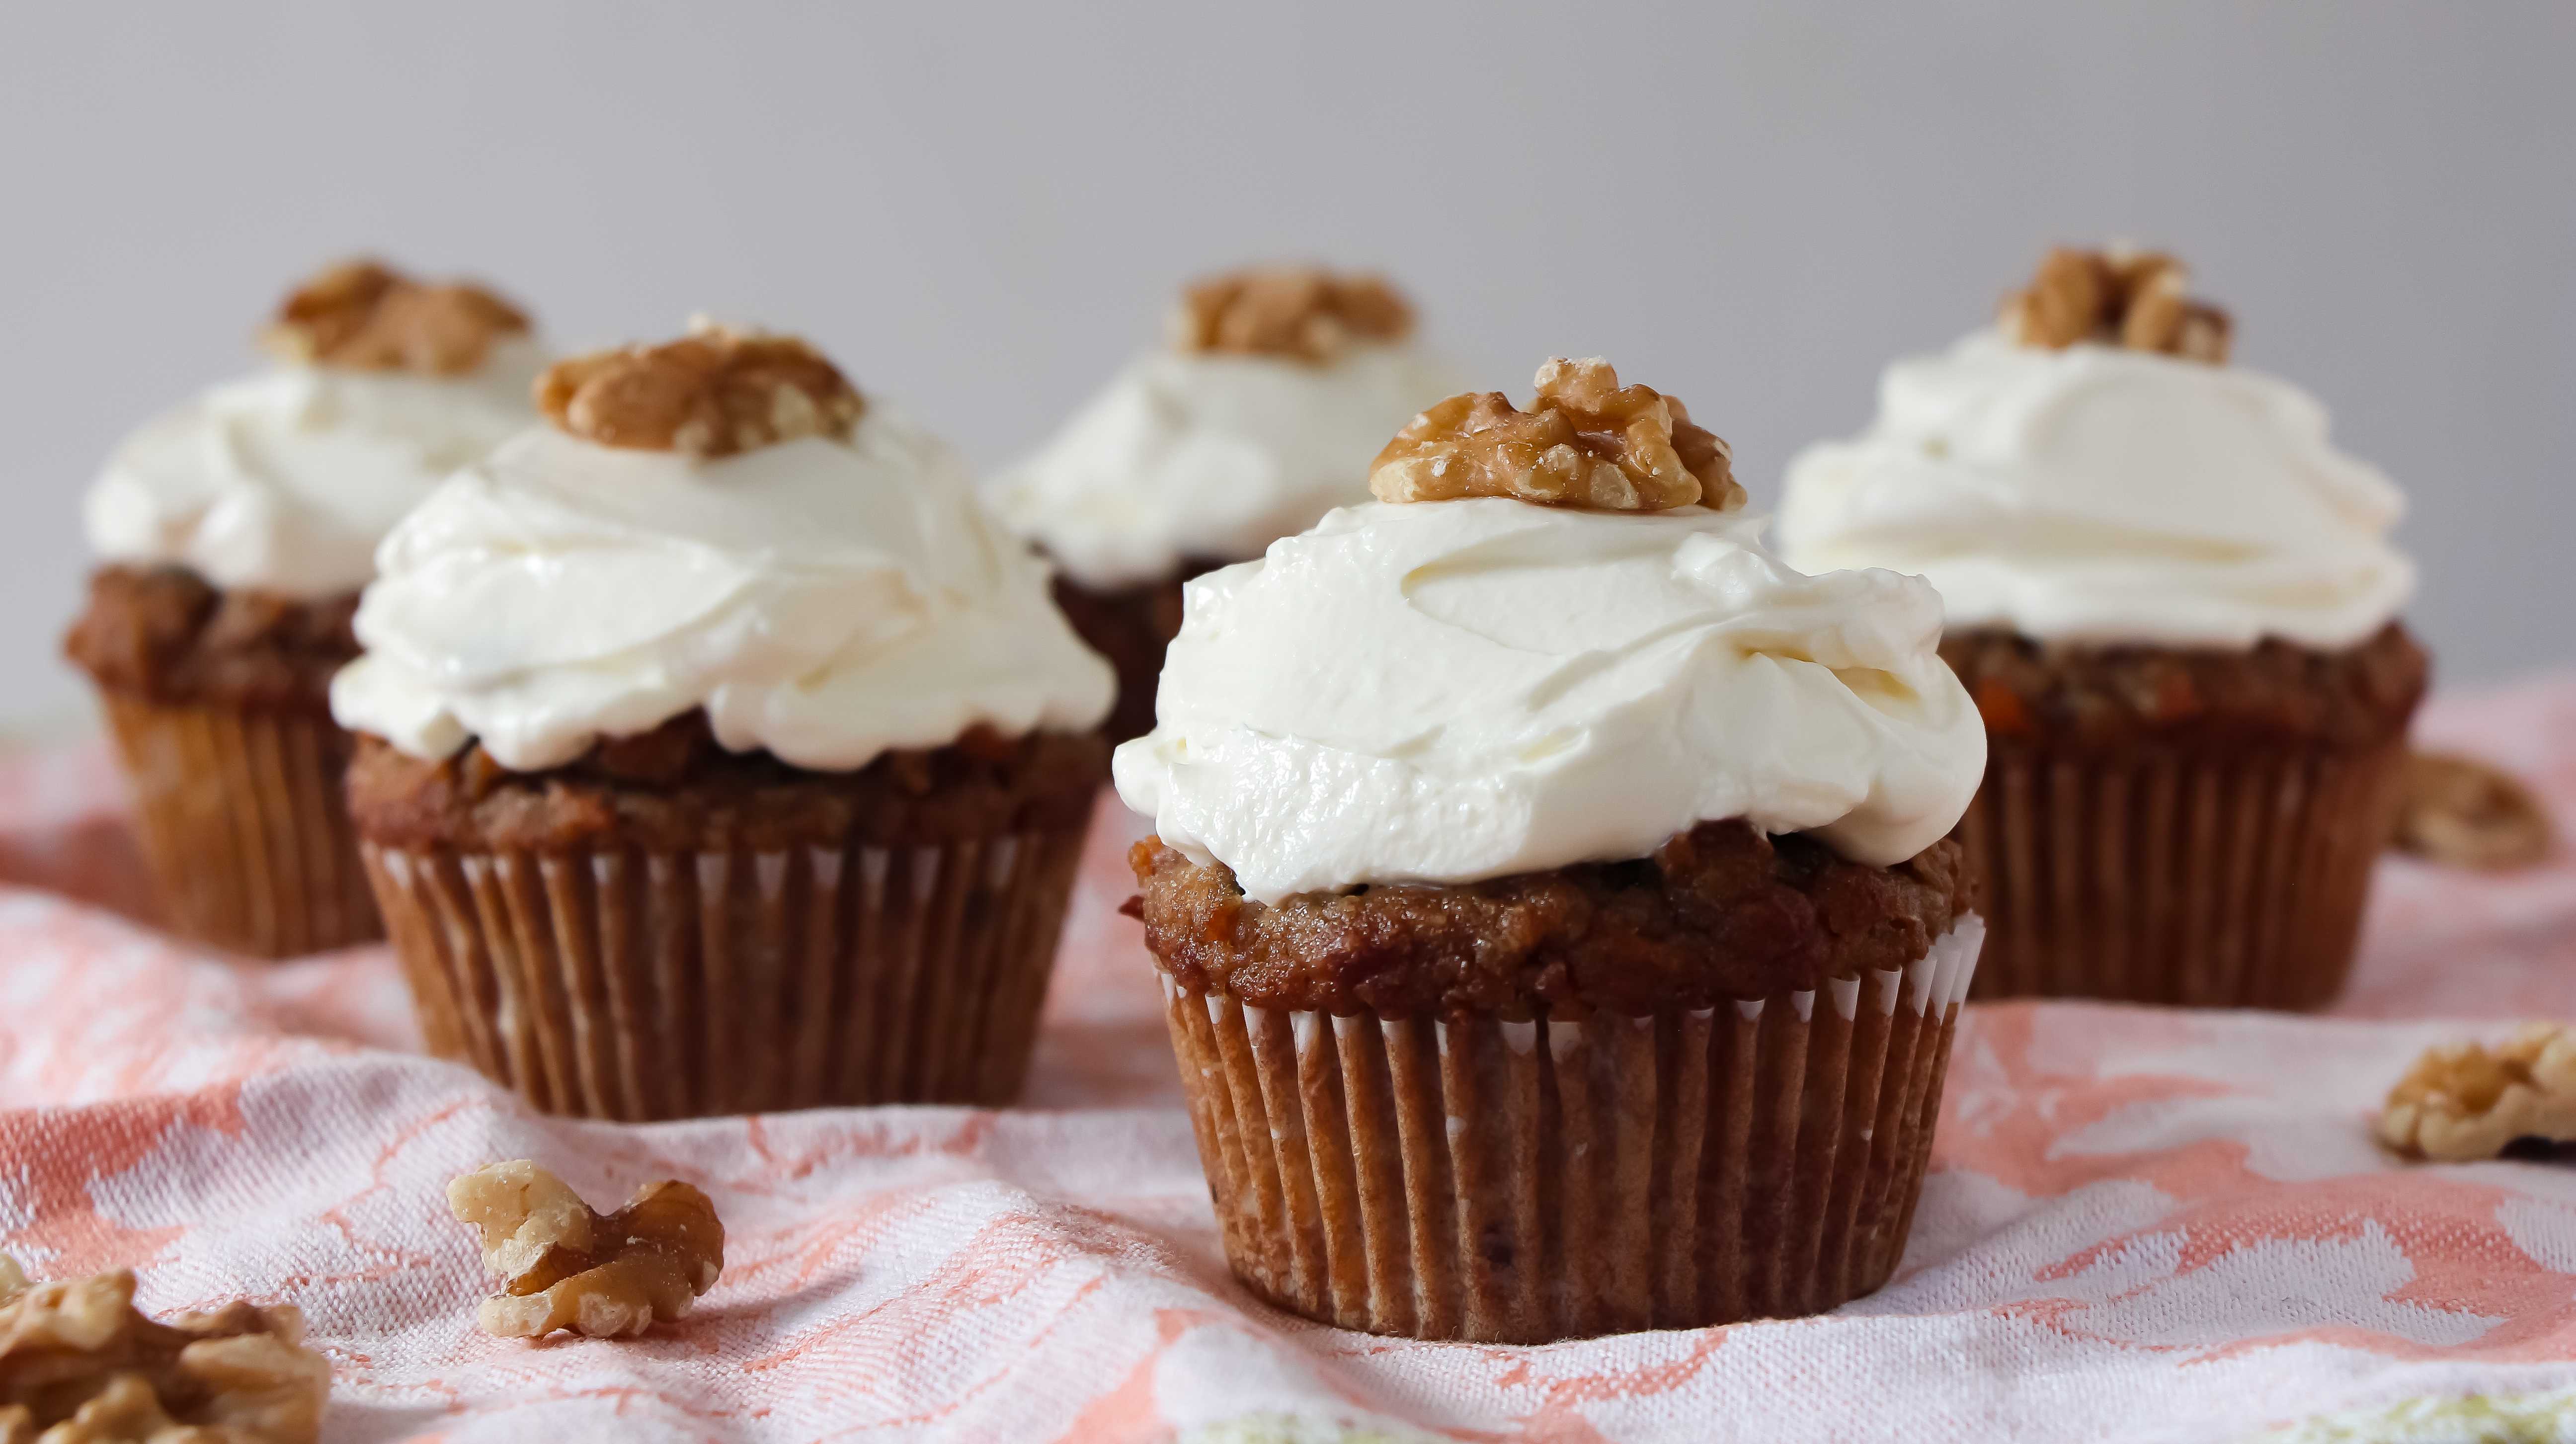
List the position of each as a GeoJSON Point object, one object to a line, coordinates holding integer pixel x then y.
{"type": "Point", "coordinates": [1585, 441]}
{"type": "Point", "coordinates": [2131, 298]}
{"type": "Point", "coordinates": [78, 1363]}
{"type": "Point", "coordinates": [2462, 1101]}
{"type": "Point", "coordinates": [1301, 313]}
{"type": "Point", "coordinates": [364, 316]}
{"type": "Point", "coordinates": [567, 1267]}
{"type": "Point", "coordinates": [714, 392]}
{"type": "Point", "coordinates": [2466, 813]}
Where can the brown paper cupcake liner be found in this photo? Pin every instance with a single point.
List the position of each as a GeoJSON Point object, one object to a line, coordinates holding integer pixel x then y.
{"type": "Point", "coordinates": [1521, 1182]}
{"type": "Point", "coordinates": [630, 985]}
{"type": "Point", "coordinates": [2234, 881]}
{"type": "Point", "coordinates": [244, 825]}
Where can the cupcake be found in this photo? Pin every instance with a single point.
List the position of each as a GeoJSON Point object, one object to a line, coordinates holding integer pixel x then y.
{"type": "Point", "coordinates": [1550, 888]}
{"type": "Point", "coordinates": [2175, 604]}
{"type": "Point", "coordinates": [715, 754]}
{"type": "Point", "coordinates": [1257, 418]}
{"type": "Point", "coordinates": [233, 535]}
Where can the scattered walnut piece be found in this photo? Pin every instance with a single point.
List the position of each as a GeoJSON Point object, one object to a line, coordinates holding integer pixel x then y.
{"type": "Point", "coordinates": [714, 392]}
{"type": "Point", "coordinates": [79, 1363]}
{"type": "Point", "coordinates": [1303, 313]}
{"type": "Point", "coordinates": [1586, 441]}
{"type": "Point", "coordinates": [2461, 1102]}
{"type": "Point", "coordinates": [567, 1267]}
{"type": "Point", "coordinates": [2466, 813]}
{"type": "Point", "coordinates": [364, 316]}
{"type": "Point", "coordinates": [2135, 299]}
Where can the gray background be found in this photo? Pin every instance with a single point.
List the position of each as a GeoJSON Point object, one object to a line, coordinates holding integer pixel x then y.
{"type": "Point", "coordinates": [983, 210]}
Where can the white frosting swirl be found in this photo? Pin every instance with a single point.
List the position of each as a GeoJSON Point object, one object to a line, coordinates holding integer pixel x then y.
{"type": "Point", "coordinates": [285, 481]}
{"type": "Point", "coordinates": [821, 599]}
{"type": "Point", "coordinates": [1446, 691]}
{"type": "Point", "coordinates": [2101, 494]}
{"type": "Point", "coordinates": [1213, 455]}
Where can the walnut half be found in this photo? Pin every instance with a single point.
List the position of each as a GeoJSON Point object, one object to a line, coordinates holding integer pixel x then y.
{"type": "Point", "coordinates": [567, 1267]}
{"type": "Point", "coordinates": [2462, 1102]}
{"type": "Point", "coordinates": [1302, 313]}
{"type": "Point", "coordinates": [2466, 813]}
{"type": "Point", "coordinates": [78, 1363]}
{"type": "Point", "coordinates": [2135, 299]}
{"type": "Point", "coordinates": [1586, 441]}
{"type": "Point", "coordinates": [715, 392]}
{"type": "Point", "coordinates": [365, 316]}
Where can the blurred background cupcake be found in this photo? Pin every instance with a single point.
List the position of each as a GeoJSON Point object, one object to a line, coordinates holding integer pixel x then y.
{"type": "Point", "coordinates": [716, 754]}
{"type": "Point", "coordinates": [1558, 930]}
{"type": "Point", "coordinates": [233, 534]}
{"type": "Point", "coordinates": [1260, 414]}
{"type": "Point", "coordinates": [2175, 604]}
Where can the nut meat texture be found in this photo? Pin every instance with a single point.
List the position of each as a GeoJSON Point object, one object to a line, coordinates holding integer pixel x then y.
{"type": "Point", "coordinates": [567, 1267]}
{"type": "Point", "coordinates": [2462, 1102]}
{"type": "Point", "coordinates": [1586, 441]}
{"type": "Point", "coordinates": [715, 392]}
{"type": "Point", "coordinates": [2117, 297]}
{"type": "Point", "coordinates": [365, 316]}
{"type": "Point", "coordinates": [2465, 813]}
{"type": "Point", "coordinates": [80, 1365]}
{"type": "Point", "coordinates": [1301, 313]}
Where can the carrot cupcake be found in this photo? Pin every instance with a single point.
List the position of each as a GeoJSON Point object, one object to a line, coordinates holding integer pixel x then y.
{"type": "Point", "coordinates": [1257, 418]}
{"type": "Point", "coordinates": [234, 534]}
{"type": "Point", "coordinates": [1551, 894]}
{"type": "Point", "coordinates": [2175, 603]}
{"type": "Point", "coordinates": [715, 754]}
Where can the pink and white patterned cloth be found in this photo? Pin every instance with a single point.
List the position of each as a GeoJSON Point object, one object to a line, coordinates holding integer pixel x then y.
{"type": "Point", "coordinates": [2140, 1224]}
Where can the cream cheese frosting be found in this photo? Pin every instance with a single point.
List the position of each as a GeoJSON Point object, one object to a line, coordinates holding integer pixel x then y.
{"type": "Point", "coordinates": [2099, 494]}
{"type": "Point", "coordinates": [1213, 455]}
{"type": "Point", "coordinates": [1447, 691]}
{"type": "Point", "coordinates": [286, 481]}
{"type": "Point", "coordinates": [826, 600]}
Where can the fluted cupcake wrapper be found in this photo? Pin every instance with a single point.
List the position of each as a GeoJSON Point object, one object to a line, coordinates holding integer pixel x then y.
{"type": "Point", "coordinates": [1519, 1182]}
{"type": "Point", "coordinates": [245, 826]}
{"type": "Point", "coordinates": [631, 985]}
{"type": "Point", "coordinates": [2233, 880]}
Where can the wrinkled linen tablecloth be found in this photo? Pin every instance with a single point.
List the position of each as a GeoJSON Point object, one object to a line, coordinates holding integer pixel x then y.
{"type": "Point", "coordinates": [2140, 1224]}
